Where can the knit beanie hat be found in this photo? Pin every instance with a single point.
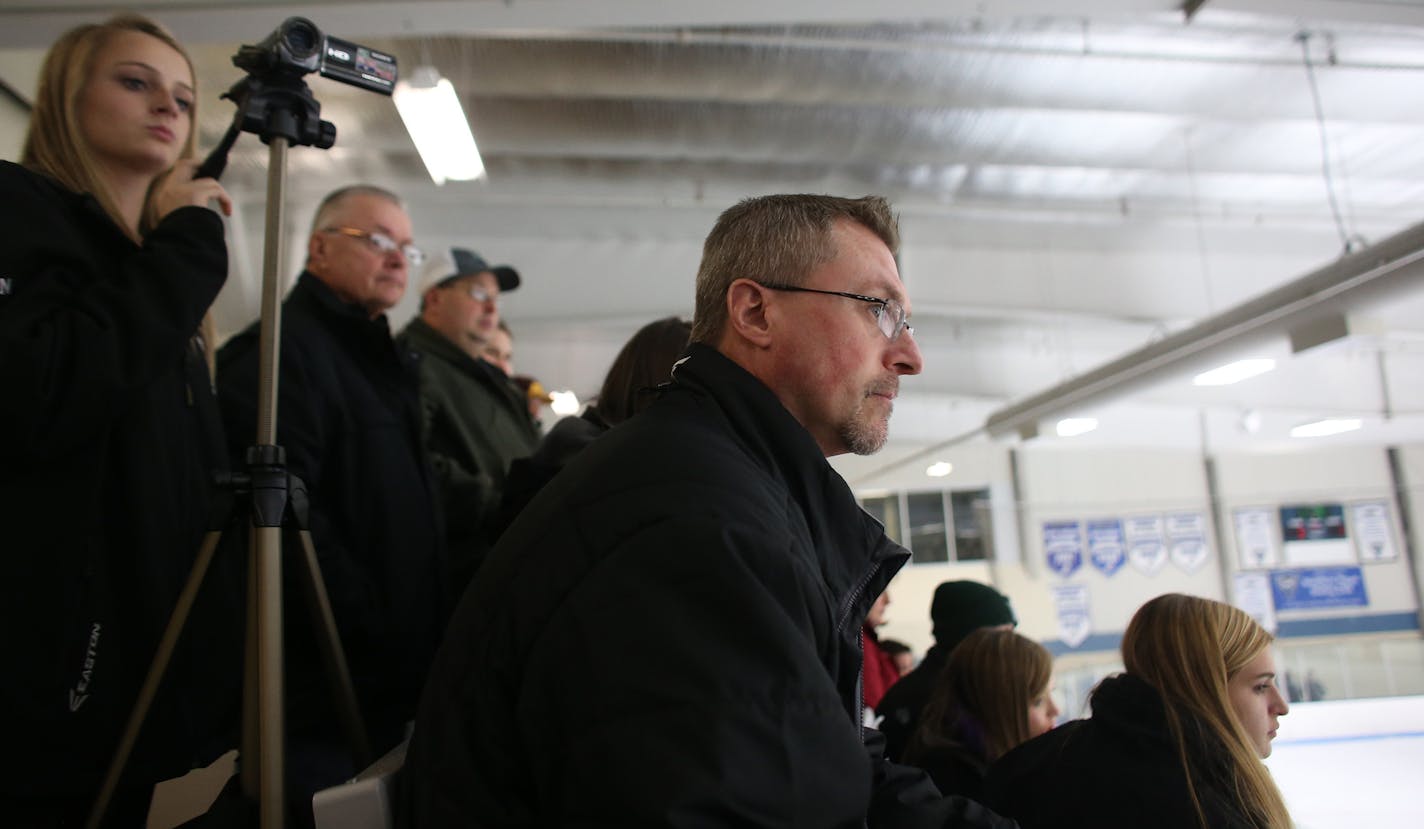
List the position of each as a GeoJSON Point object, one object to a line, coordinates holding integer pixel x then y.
{"type": "Point", "coordinates": [962, 607]}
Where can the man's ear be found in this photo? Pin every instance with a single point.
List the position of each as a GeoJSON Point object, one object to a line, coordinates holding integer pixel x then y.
{"type": "Point", "coordinates": [316, 248]}
{"type": "Point", "coordinates": [747, 312]}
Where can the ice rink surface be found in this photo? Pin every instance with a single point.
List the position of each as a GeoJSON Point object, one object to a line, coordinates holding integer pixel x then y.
{"type": "Point", "coordinates": [1348, 764]}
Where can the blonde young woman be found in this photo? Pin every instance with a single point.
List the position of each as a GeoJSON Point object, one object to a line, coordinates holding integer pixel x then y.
{"type": "Point", "coordinates": [112, 258]}
{"type": "Point", "coordinates": [994, 693]}
{"type": "Point", "coordinates": [1174, 741]}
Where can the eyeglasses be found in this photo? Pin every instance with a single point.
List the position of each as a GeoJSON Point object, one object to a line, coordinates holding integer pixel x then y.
{"type": "Point", "coordinates": [481, 296]}
{"type": "Point", "coordinates": [889, 314]}
{"type": "Point", "coordinates": [383, 244]}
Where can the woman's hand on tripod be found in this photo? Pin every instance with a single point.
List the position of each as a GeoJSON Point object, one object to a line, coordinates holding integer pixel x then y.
{"type": "Point", "coordinates": [177, 188]}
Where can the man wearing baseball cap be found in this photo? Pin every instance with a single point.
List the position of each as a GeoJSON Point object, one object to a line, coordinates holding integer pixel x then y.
{"type": "Point", "coordinates": [474, 421]}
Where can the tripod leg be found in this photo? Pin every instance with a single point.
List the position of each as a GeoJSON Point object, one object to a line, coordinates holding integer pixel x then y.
{"type": "Point", "coordinates": [247, 758]}
{"type": "Point", "coordinates": [333, 657]}
{"type": "Point", "coordinates": [149, 690]}
{"type": "Point", "coordinates": [269, 677]}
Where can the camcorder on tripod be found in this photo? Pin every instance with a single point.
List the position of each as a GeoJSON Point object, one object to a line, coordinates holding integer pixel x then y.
{"type": "Point", "coordinates": [274, 103]}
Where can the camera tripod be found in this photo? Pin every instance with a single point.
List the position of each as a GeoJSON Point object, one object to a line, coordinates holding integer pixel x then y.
{"type": "Point", "coordinates": [281, 110]}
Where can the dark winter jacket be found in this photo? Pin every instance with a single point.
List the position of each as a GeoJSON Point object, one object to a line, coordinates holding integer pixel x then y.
{"type": "Point", "coordinates": [566, 438]}
{"type": "Point", "coordinates": [903, 703]}
{"type": "Point", "coordinates": [475, 423]}
{"type": "Point", "coordinates": [348, 415]}
{"type": "Point", "coordinates": [1118, 769]}
{"type": "Point", "coordinates": [711, 527]}
{"type": "Point", "coordinates": [955, 768]}
{"type": "Point", "coordinates": [111, 436]}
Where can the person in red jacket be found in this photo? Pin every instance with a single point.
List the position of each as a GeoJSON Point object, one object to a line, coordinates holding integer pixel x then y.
{"type": "Point", "coordinates": [880, 671]}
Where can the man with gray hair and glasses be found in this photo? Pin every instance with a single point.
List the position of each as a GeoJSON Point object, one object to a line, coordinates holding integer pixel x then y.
{"type": "Point", "coordinates": [710, 529]}
{"type": "Point", "coordinates": [348, 415]}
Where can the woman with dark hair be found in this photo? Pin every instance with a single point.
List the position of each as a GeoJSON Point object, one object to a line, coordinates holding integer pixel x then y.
{"type": "Point", "coordinates": [111, 432]}
{"type": "Point", "coordinates": [1174, 741]}
{"type": "Point", "coordinates": [994, 694]}
{"type": "Point", "coordinates": [644, 363]}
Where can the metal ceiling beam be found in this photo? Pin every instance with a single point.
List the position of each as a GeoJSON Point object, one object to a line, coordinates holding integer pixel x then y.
{"type": "Point", "coordinates": [1190, 9]}
{"type": "Point", "coordinates": [1366, 278]}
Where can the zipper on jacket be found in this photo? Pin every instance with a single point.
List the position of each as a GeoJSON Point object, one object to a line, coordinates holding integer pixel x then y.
{"type": "Point", "coordinates": [841, 623]}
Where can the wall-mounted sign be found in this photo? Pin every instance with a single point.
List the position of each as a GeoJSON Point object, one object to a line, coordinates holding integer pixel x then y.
{"type": "Point", "coordinates": [1314, 534]}
{"type": "Point", "coordinates": [1255, 545]}
{"type": "Point", "coordinates": [1372, 531]}
{"type": "Point", "coordinates": [1252, 593]}
{"type": "Point", "coordinates": [1145, 547]}
{"type": "Point", "coordinates": [1106, 550]}
{"type": "Point", "coordinates": [1075, 622]}
{"type": "Point", "coordinates": [1312, 522]}
{"type": "Point", "coordinates": [1186, 532]}
{"type": "Point", "coordinates": [1063, 546]}
{"type": "Point", "coordinates": [1318, 587]}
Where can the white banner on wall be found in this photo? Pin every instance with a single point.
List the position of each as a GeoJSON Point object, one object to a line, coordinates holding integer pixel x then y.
{"type": "Point", "coordinates": [1063, 546]}
{"type": "Point", "coordinates": [1105, 547]}
{"type": "Point", "coordinates": [1253, 595]}
{"type": "Point", "coordinates": [1187, 534]}
{"type": "Point", "coordinates": [1145, 548]}
{"type": "Point", "coordinates": [1075, 623]}
{"type": "Point", "coordinates": [1255, 538]}
{"type": "Point", "coordinates": [1372, 533]}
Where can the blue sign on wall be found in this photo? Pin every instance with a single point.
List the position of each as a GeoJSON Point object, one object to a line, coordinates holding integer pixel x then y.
{"type": "Point", "coordinates": [1319, 587]}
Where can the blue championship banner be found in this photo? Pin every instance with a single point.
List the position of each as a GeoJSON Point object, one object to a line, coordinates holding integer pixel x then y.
{"type": "Point", "coordinates": [1319, 587]}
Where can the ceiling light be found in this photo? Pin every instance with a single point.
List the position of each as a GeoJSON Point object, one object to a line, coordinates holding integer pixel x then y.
{"type": "Point", "coordinates": [1073, 426]}
{"type": "Point", "coordinates": [1328, 426]}
{"type": "Point", "coordinates": [431, 111]}
{"type": "Point", "coordinates": [563, 402]}
{"type": "Point", "coordinates": [1234, 372]}
{"type": "Point", "coordinates": [940, 469]}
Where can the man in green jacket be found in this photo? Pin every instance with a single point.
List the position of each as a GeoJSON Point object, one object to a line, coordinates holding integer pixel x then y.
{"type": "Point", "coordinates": [475, 422]}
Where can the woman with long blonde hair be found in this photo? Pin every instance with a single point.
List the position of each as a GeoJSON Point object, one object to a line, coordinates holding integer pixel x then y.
{"type": "Point", "coordinates": [1175, 741]}
{"type": "Point", "coordinates": [112, 258]}
{"type": "Point", "coordinates": [994, 693]}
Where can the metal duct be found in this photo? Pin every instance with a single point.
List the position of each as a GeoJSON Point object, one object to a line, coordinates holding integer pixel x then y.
{"type": "Point", "coordinates": [1365, 278]}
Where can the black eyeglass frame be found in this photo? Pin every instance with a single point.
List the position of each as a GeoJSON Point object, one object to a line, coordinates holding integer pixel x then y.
{"type": "Point", "coordinates": [900, 320]}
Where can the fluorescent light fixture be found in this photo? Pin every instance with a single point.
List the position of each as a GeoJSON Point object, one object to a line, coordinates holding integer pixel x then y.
{"type": "Point", "coordinates": [432, 114]}
{"type": "Point", "coordinates": [563, 402]}
{"type": "Point", "coordinates": [940, 469]}
{"type": "Point", "coordinates": [1234, 372]}
{"type": "Point", "coordinates": [1073, 426]}
{"type": "Point", "coordinates": [1328, 426]}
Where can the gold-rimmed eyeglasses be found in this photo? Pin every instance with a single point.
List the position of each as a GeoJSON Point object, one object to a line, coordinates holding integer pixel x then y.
{"type": "Point", "coordinates": [382, 243]}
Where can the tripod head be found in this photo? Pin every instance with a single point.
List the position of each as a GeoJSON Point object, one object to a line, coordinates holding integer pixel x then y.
{"type": "Point", "coordinates": [273, 100]}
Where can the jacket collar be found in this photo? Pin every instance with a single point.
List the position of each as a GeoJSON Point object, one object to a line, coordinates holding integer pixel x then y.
{"type": "Point", "coordinates": [349, 322]}
{"type": "Point", "coordinates": [316, 293]}
{"type": "Point", "coordinates": [856, 557]}
{"type": "Point", "coordinates": [422, 336]}
{"type": "Point", "coordinates": [85, 202]}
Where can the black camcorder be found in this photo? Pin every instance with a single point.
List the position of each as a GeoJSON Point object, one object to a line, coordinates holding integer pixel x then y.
{"type": "Point", "coordinates": [297, 47]}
